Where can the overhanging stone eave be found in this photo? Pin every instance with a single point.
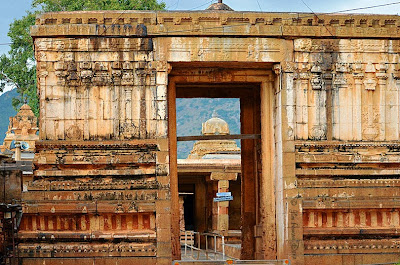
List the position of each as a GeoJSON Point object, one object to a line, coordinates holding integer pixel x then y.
{"type": "Point", "coordinates": [215, 23]}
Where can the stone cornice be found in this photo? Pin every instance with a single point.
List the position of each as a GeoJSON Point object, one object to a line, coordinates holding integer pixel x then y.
{"type": "Point", "coordinates": [211, 23]}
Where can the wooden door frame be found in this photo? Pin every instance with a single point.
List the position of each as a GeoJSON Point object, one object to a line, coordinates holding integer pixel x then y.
{"type": "Point", "coordinates": [232, 79]}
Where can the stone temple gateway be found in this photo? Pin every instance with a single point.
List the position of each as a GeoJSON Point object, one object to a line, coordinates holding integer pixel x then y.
{"type": "Point", "coordinates": [319, 100]}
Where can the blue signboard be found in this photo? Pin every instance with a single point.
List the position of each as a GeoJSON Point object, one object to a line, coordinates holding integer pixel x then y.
{"type": "Point", "coordinates": [223, 199]}
{"type": "Point", "coordinates": [224, 194]}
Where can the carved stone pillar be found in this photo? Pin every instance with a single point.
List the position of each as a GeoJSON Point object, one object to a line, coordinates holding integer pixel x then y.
{"type": "Point", "coordinates": [223, 214]}
{"type": "Point", "coordinates": [220, 209]}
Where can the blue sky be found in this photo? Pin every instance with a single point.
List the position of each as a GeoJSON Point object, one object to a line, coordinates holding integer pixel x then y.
{"type": "Point", "coordinates": [15, 9]}
{"type": "Point", "coordinates": [292, 5]}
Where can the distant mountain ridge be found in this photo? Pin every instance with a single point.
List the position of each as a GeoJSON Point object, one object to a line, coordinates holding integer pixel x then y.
{"type": "Point", "coordinates": [6, 111]}
{"type": "Point", "coordinates": [191, 113]}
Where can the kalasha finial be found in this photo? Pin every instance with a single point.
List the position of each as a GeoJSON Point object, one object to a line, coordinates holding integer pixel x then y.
{"type": "Point", "coordinates": [219, 6]}
{"type": "Point", "coordinates": [215, 114]}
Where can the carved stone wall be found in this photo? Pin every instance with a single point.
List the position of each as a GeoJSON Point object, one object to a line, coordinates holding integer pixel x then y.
{"type": "Point", "coordinates": [99, 186]}
{"type": "Point", "coordinates": [346, 89]}
{"type": "Point", "coordinates": [99, 89]}
{"type": "Point", "coordinates": [349, 193]}
{"type": "Point", "coordinates": [90, 200]}
{"type": "Point", "coordinates": [102, 169]}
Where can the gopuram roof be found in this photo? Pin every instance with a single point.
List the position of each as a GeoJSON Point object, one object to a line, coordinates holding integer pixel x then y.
{"type": "Point", "coordinates": [219, 6]}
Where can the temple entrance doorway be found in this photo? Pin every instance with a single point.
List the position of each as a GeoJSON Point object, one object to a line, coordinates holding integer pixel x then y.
{"type": "Point", "coordinates": [245, 177]}
{"type": "Point", "coordinates": [209, 172]}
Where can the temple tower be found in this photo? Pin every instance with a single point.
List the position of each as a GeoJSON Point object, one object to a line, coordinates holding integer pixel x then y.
{"type": "Point", "coordinates": [22, 128]}
{"type": "Point", "coordinates": [214, 126]}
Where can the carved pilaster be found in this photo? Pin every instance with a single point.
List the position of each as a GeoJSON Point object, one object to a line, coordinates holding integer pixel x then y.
{"type": "Point", "coordinates": [59, 71]}
{"type": "Point", "coordinates": [304, 75]}
{"type": "Point", "coordinates": [101, 76]}
{"type": "Point", "coordinates": [86, 72]}
{"type": "Point", "coordinates": [382, 76]}
{"type": "Point", "coordinates": [396, 74]}
{"type": "Point", "coordinates": [128, 103]}
{"type": "Point", "coordinates": [339, 76]}
{"type": "Point", "coordinates": [358, 76]}
{"type": "Point", "coordinates": [42, 77]}
{"type": "Point", "coordinates": [317, 115]}
{"type": "Point", "coordinates": [370, 80]}
{"type": "Point", "coordinates": [370, 113]}
{"type": "Point", "coordinates": [303, 79]}
{"type": "Point", "coordinates": [317, 83]}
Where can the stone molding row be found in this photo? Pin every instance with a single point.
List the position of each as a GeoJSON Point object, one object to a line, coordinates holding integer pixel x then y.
{"type": "Point", "coordinates": [79, 185]}
{"type": "Point", "coordinates": [302, 145]}
{"type": "Point", "coordinates": [136, 249]}
{"type": "Point", "coordinates": [145, 145]}
{"type": "Point", "coordinates": [347, 183]}
{"type": "Point", "coordinates": [342, 246]}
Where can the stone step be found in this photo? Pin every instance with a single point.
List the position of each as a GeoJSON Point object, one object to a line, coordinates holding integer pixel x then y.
{"type": "Point", "coordinates": [233, 250]}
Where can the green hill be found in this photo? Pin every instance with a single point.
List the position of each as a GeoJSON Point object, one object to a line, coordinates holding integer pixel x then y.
{"type": "Point", "coordinates": [6, 111]}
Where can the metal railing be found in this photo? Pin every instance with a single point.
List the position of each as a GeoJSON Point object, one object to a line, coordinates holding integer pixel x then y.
{"type": "Point", "coordinates": [233, 262]}
{"type": "Point", "coordinates": [193, 238]}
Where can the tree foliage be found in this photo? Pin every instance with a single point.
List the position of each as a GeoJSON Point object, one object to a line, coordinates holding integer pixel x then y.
{"type": "Point", "coordinates": [18, 67]}
{"type": "Point", "coordinates": [74, 5]}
